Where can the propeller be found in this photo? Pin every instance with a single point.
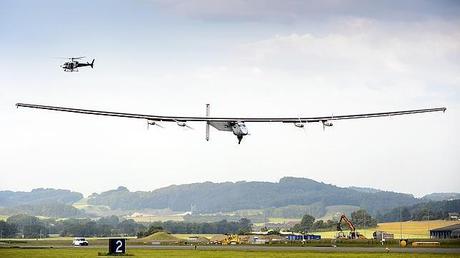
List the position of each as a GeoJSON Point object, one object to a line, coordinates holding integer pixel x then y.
{"type": "Point", "coordinates": [327, 123]}
{"type": "Point", "coordinates": [149, 123]}
{"type": "Point", "coordinates": [301, 125]}
{"type": "Point", "coordinates": [71, 58]}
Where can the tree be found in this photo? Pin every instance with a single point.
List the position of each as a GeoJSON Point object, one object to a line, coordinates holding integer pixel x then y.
{"type": "Point", "coordinates": [23, 220]}
{"type": "Point", "coordinates": [245, 226]}
{"type": "Point", "coordinates": [130, 227]}
{"type": "Point", "coordinates": [305, 224]}
{"type": "Point", "coordinates": [29, 226]}
{"type": "Point", "coordinates": [362, 219]}
{"type": "Point", "coordinates": [154, 228]}
{"type": "Point", "coordinates": [405, 214]}
{"type": "Point", "coordinates": [331, 224]}
{"type": "Point", "coordinates": [110, 220]}
{"type": "Point", "coordinates": [275, 231]}
{"type": "Point", "coordinates": [318, 224]}
{"type": "Point", "coordinates": [35, 231]}
{"type": "Point", "coordinates": [7, 229]}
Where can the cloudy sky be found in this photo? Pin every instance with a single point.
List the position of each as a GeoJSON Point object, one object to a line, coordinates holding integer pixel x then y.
{"type": "Point", "coordinates": [245, 58]}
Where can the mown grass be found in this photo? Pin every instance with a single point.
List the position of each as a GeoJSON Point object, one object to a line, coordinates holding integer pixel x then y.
{"type": "Point", "coordinates": [410, 229]}
{"type": "Point", "coordinates": [140, 253]}
{"type": "Point", "coordinates": [154, 218]}
{"type": "Point", "coordinates": [419, 228]}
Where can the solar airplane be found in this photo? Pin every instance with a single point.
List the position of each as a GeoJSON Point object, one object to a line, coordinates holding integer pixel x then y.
{"type": "Point", "coordinates": [237, 125]}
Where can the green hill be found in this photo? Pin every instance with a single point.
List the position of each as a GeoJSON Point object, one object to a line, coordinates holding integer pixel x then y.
{"type": "Point", "coordinates": [211, 197]}
{"type": "Point", "coordinates": [54, 210]}
{"type": "Point", "coordinates": [160, 236]}
{"type": "Point", "coordinates": [38, 196]}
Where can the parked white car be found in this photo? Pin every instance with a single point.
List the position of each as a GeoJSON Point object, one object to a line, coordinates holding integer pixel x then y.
{"type": "Point", "coordinates": [80, 241]}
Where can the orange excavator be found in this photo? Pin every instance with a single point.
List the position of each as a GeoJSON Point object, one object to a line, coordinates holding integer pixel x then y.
{"type": "Point", "coordinates": [353, 233]}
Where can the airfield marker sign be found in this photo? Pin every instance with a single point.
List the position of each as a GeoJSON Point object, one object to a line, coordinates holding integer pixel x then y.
{"type": "Point", "coordinates": [117, 246]}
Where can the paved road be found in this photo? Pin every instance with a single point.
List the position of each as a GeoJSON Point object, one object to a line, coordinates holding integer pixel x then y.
{"type": "Point", "coordinates": [279, 248]}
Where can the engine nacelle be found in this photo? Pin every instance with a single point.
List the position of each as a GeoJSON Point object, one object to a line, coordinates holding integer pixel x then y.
{"type": "Point", "coordinates": [299, 125]}
{"type": "Point", "coordinates": [326, 123]}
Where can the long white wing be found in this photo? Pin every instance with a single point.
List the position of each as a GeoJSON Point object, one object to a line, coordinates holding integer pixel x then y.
{"type": "Point", "coordinates": [231, 119]}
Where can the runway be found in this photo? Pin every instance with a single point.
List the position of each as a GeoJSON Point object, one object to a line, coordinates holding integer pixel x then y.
{"type": "Point", "coordinates": [273, 248]}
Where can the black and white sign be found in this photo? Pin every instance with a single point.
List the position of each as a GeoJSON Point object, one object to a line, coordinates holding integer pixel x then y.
{"type": "Point", "coordinates": [117, 246]}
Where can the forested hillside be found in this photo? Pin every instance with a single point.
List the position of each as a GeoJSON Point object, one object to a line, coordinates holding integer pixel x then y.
{"type": "Point", "coordinates": [37, 196]}
{"type": "Point", "coordinates": [53, 210]}
{"type": "Point", "coordinates": [290, 197]}
{"type": "Point", "coordinates": [441, 196]}
{"type": "Point", "coordinates": [422, 211]}
{"type": "Point", "coordinates": [220, 197]}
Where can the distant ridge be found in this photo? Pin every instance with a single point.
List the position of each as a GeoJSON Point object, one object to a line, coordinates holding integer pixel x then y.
{"type": "Point", "coordinates": [208, 197]}
{"type": "Point", "coordinates": [38, 196]}
{"type": "Point", "coordinates": [211, 197]}
{"type": "Point", "coordinates": [442, 196]}
{"type": "Point", "coordinates": [365, 189]}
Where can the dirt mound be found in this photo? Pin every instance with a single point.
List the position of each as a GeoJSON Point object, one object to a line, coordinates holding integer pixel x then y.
{"type": "Point", "coordinates": [160, 236]}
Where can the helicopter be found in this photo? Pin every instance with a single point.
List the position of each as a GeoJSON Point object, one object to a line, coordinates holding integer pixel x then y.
{"type": "Point", "coordinates": [72, 65]}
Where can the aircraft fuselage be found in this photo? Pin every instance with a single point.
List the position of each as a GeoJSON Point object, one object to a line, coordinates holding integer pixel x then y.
{"type": "Point", "coordinates": [240, 130]}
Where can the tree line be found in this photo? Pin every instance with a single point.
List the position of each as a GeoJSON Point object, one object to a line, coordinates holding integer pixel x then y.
{"type": "Point", "coordinates": [243, 226]}
{"type": "Point", "coordinates": [360, 219]}
{"type": "Point", "coordinates": [208, 198]}
{"type": "Point", "coordinates": [49, 209]}
{"type": "Point", "coordinates": [423, 211]}
{"type": "Point", "coordinates": [26, 226]}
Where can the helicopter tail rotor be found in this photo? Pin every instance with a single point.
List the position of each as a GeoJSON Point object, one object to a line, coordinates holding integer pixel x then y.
{"type": "Point", "coordinates": [92, 64]}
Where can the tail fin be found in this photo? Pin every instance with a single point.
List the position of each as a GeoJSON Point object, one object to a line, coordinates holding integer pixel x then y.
{"type": "Point", "coordinates": [207, 122]}
{"type": "Point", "coordinates": [92, 64]}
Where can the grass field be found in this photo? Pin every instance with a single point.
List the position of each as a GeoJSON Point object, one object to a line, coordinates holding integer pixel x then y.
{"type": "Point", "coordinates": [281, 220]}
{"type": "Point", "coordinates": [332, 234]}
{"type": "Point", "coordinates": [410, 229]}
{"type": "Point", "coordinates": [368, 234]}
{"type": "Point", "coordinates": [139, 253]}
{"type": "Point", "coordinates": [97, 209]}
{"type": "Point", "coordinates": [153, 218]}
{"type": "Point", "coordinates": [419, 228]}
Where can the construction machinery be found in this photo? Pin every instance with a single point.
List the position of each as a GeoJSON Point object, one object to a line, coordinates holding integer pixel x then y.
{"type": "Point", "coordinates": [231, 240]}
{"type": "Point", "coordinates": [226, 240]}
{"type": "Point", "coordinates": [353, 233]}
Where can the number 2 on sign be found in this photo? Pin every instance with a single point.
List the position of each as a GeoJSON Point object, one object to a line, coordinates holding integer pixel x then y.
{"type": "Point", "coordinates": [119, 244]}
